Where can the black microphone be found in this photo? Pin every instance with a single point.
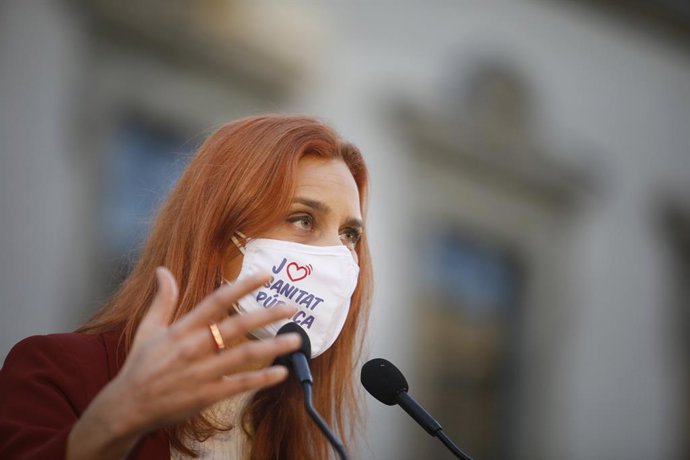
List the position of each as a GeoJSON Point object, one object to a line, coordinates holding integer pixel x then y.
{"type": "Point", "coordinates": [386, 383]}
{"type": "Point", "coordinates": [298, 361]}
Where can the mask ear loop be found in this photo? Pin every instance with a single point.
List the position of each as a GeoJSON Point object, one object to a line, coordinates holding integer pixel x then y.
{"type": "Point", "coordinates": [240, 247]}
{"type": "Point", "coordinates": [237, 243]}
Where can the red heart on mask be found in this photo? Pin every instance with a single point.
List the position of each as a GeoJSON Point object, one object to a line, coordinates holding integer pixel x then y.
{"type": "Point", "coordinates": [296, 272]}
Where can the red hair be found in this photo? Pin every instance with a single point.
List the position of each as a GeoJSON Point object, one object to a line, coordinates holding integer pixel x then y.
{"type": "Point", "coordinates": [243, 178]}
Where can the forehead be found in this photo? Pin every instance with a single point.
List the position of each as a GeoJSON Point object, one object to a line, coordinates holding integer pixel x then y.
{"type": "Point", "coordinates": [330, 181]}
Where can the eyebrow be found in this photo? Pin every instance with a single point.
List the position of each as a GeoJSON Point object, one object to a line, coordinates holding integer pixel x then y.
{"type": "Point", "coordinates": [315, 205]}
{"type": "Point", "coordinates": [322, 207]}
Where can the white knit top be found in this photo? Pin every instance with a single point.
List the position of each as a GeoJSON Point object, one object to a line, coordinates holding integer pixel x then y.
{"type": "Point", "coordinates": [225, 445]}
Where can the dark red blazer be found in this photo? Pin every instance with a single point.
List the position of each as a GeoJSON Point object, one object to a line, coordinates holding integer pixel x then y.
{"type": "Point", "coordinates": [45, 385]}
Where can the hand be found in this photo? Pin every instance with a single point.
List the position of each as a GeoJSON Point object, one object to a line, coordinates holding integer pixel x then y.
{"type": "Point", "coordinates": [174, 371]}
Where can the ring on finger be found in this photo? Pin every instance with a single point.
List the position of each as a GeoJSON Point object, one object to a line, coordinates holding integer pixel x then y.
{"type": "Point", "coordinates": [217, 337]}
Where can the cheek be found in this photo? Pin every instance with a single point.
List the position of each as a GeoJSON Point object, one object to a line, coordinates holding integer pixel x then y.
{"type": "Point", "coordinates": [233, 265]}
{"type": "Point", "coordinates": [285, 231]}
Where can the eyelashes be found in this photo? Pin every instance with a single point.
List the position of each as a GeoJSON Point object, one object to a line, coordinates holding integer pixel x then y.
{"type": "Point", "coordinates": [352, 234]}
{"type": "Point", "coordinates": [302, 221]}
{"type": "Point", "coordinates": [305, 222]}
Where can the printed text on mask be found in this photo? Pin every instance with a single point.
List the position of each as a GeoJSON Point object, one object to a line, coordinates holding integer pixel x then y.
{"type": "Point", "coordinates": [291, 292]}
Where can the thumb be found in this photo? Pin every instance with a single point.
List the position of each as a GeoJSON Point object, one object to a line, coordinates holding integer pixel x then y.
{"type": "Point", "coordinates": [163, 305]}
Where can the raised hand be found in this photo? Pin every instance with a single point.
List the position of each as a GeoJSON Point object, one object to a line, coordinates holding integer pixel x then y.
{"type": "Point", "coordinates": [174, 371]}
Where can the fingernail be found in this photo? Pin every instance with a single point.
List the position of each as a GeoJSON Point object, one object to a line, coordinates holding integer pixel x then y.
{"type": "Point", "coordinates": [281, 309]}
{"type": "Point", "coordinates": [289, 337]}
{"type": "Point", "coordinates": [226, 288]}
{"type": "Point", "coordinates": [160, 276]}
{"type": "Point", "coordinates": [162, 273]}
{"type": "Point", "coordinates": [289, 307]}
{"type": "Point", "coordinates": [277, 370]}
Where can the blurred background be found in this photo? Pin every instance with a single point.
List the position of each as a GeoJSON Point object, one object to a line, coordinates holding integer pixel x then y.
{"type": "Point", "coordinates": [530, 207]}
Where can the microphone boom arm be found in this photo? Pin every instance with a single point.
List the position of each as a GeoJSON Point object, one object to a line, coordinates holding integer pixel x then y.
{"type": "Point", "coordinates": [298, 363]}
{"type": "Point", "coordinates": [427, 422]}
{"type": "Point", "coordinates": [418, 413]}
{"type": "Point", "coordinates": [321, 423]}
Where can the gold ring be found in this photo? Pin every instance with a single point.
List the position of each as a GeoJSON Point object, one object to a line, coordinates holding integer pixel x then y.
{"type": "Point", "coordinates": [217, 337]}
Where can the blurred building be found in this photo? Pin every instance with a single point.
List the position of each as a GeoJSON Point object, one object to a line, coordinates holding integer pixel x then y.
{"type": "Point", "coordinates": [529, 218]}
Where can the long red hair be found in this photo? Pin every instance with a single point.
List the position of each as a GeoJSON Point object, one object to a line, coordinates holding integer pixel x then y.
{"type": "Point", "coordinates": [242, 178]}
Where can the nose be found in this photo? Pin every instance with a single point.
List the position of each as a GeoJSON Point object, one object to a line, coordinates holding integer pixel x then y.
{"type": "Point", "coordinates": [333, 239]}
{"type": "Point", "coordinates": [330, 238]}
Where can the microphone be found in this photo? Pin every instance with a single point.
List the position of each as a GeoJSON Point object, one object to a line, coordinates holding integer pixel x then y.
{"type": "Point", "coordinates": [298, 362]}
{"type": "Point", "coordinates": [386, 383]}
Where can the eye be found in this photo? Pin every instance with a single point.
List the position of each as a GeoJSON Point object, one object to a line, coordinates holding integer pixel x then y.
{"type": "Point", "coordinates": [350, 236]}
{"type": "Point", "coordinates": [302, 221]}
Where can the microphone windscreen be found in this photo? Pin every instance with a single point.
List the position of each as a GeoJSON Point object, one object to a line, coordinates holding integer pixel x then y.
{"type": "Point", "coordinates": [306, 343]}
{"type": "Point", "coordinates": [383, 380]}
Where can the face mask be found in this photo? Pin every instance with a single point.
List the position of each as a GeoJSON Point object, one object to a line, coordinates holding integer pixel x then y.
{"type": "Point", "coordinates": [319, 280]}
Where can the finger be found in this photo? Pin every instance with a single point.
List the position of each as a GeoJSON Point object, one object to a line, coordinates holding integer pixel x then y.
{"type": "Point", "coordinates": [248, 354]}
{"type": "Point", "coordinates": [217, 304]}
{"type": "Point", "coordinates": [241, 324]}
{"type": "Point", "coordinates": [161, 310]}
{"type": "Point", "coordinates": [201, 342]}
{"type": "Point", "coordinates": [245, 381]}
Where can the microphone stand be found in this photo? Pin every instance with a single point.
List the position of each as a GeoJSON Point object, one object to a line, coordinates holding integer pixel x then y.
{"type": "Point", "coordinates": [451, 446]}
{"type": "Point", "coordinates": [320, 422]}
{"type": "Point", "coordinates": [298, 362]}
{"type": "Point", "coordinates": [431, 426]}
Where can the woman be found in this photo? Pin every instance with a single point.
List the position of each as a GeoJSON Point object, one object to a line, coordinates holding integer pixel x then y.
{"type": "Point", "coordinates": [269, 209]}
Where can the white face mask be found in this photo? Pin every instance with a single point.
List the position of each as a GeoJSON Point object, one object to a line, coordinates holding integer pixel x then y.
{"type": "Point", "coordinates": [319, 280]}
